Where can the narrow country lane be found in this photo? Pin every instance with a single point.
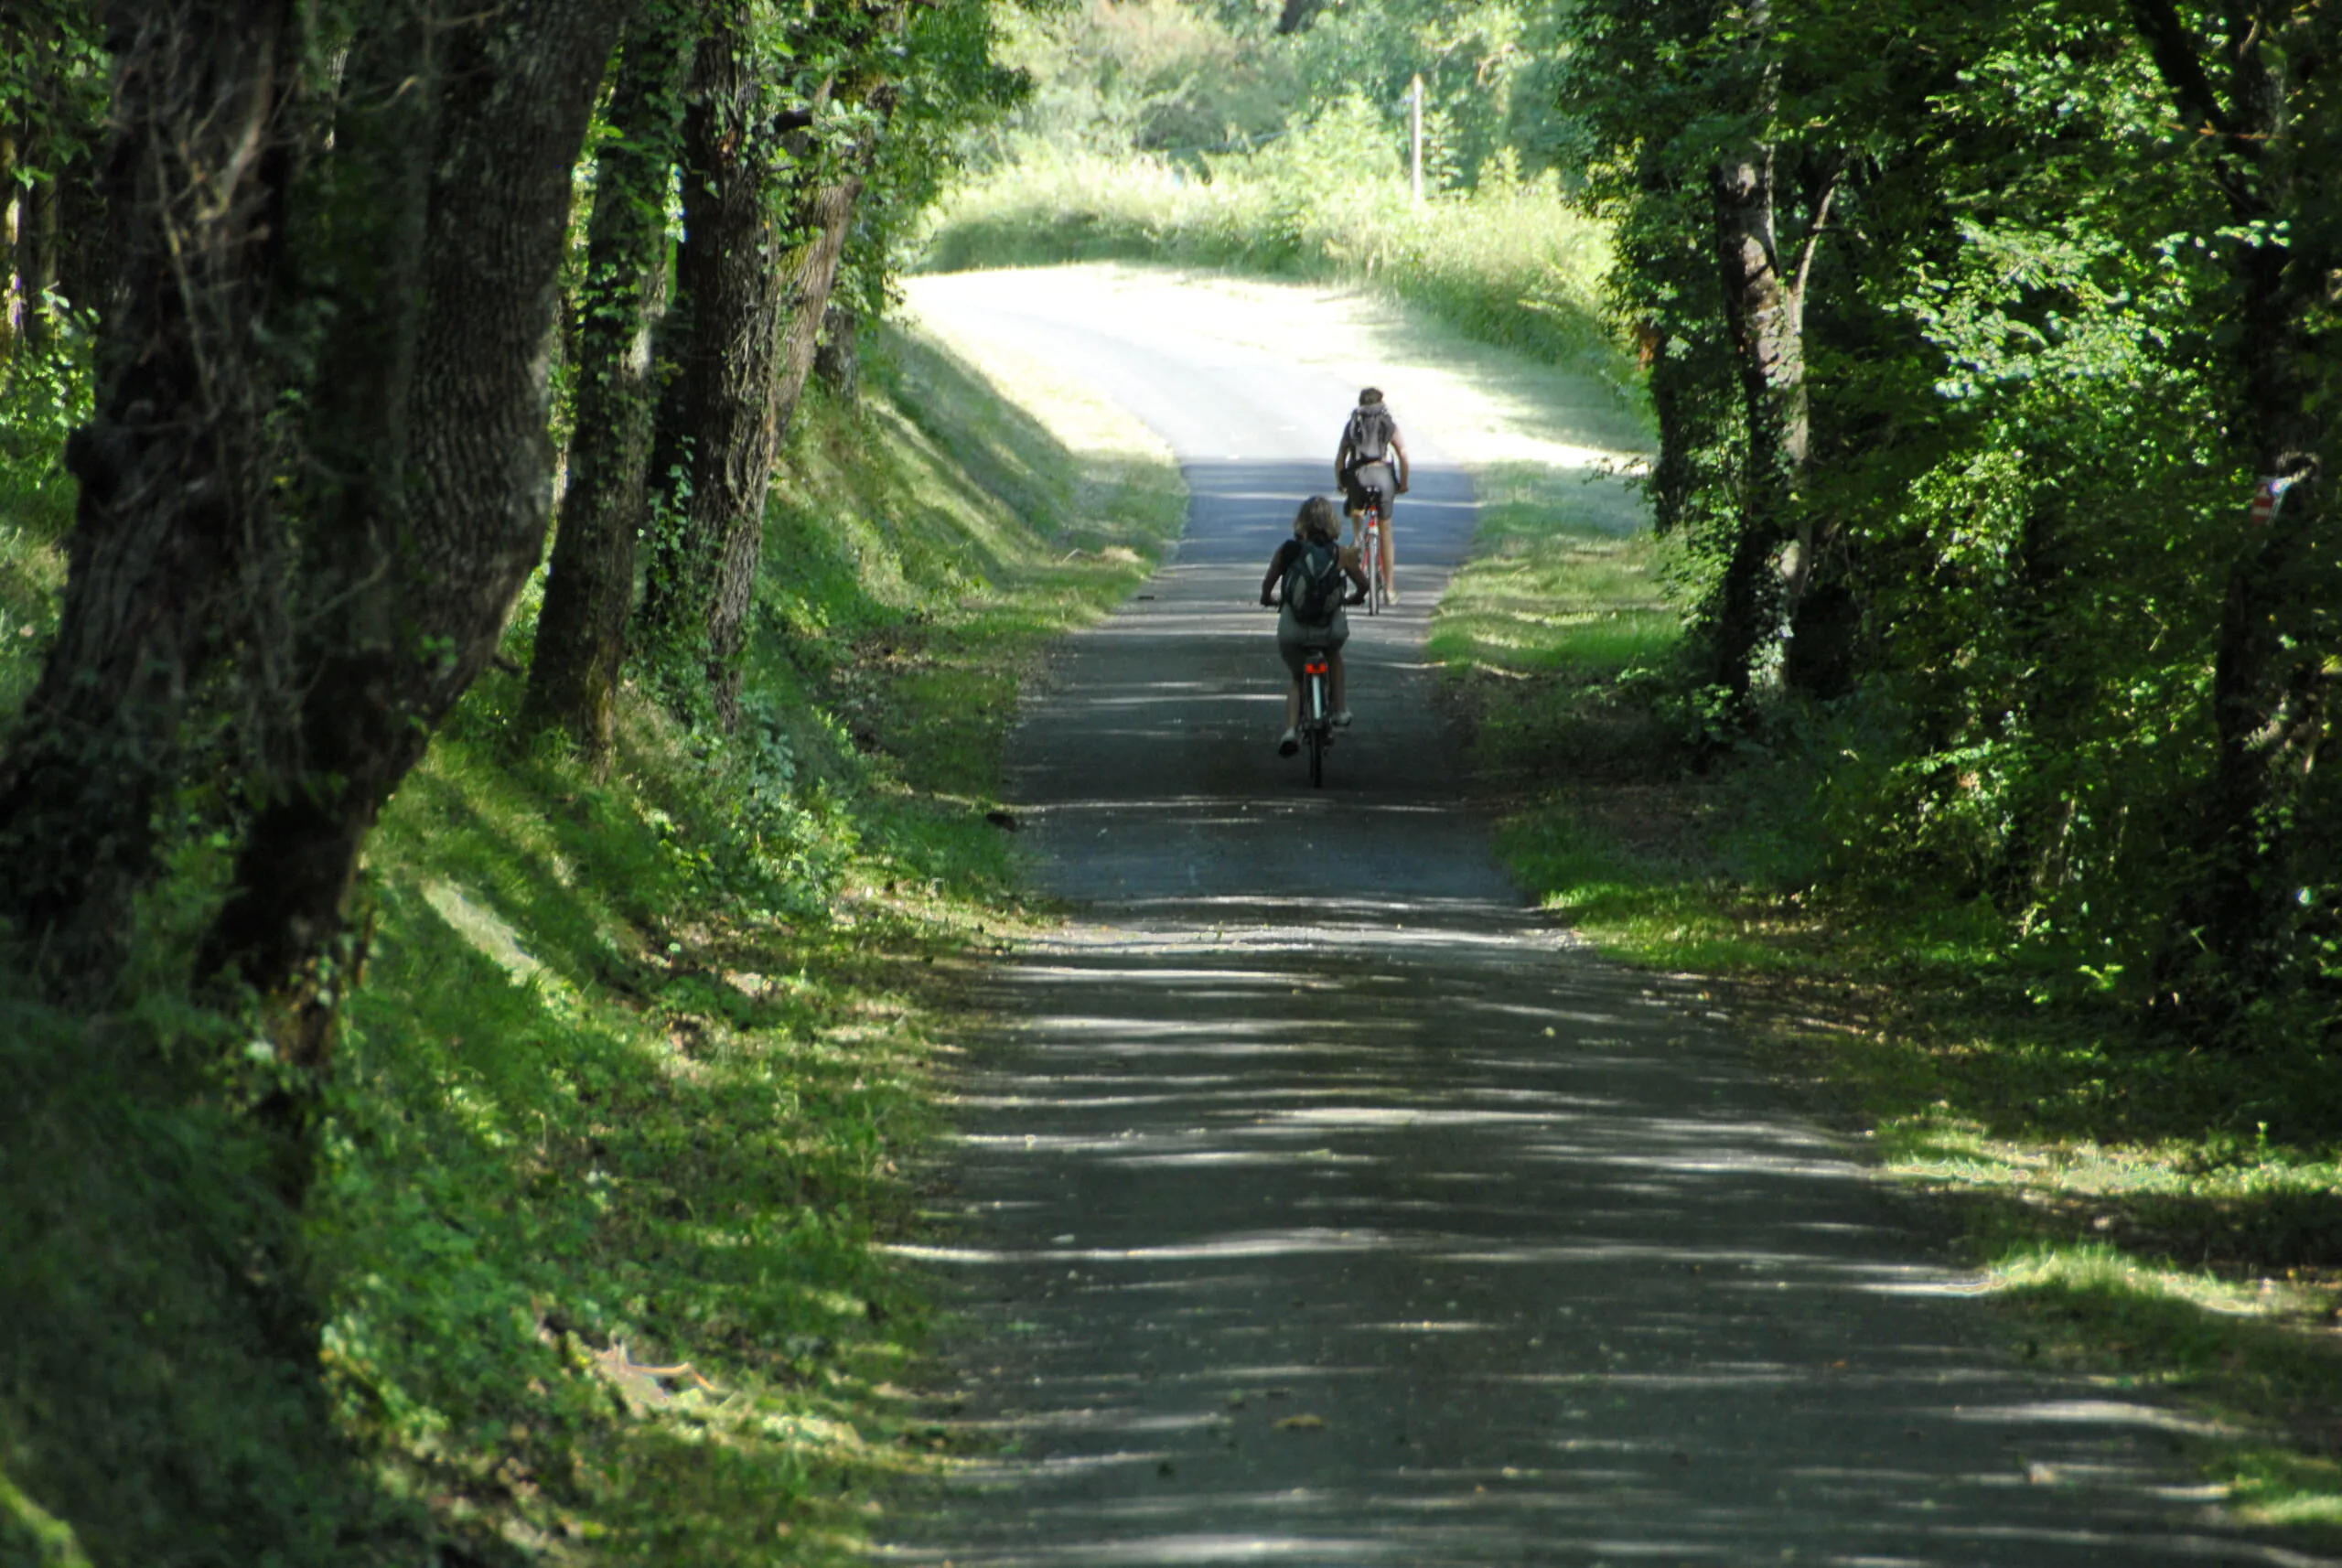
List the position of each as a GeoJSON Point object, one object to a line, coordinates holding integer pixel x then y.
{"type": "Point", "coordinates": [1321, 1205]}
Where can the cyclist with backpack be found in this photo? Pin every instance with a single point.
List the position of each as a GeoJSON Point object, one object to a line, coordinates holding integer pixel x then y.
{"type": "Point", "coordinates": [1310, 582]}
{"type": "Point", "coordinates": [1362, 466]}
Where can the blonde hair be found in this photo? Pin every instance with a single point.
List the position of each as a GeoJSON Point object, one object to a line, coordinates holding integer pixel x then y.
{"type": "Point", "coordinates": [1316, 516]}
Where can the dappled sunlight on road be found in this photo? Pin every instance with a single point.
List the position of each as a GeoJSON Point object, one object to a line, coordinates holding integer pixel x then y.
{"type": "Point", "coordinates": [1501, 1258]}
{"type": "Point", "coordinates": [1314, 1202]}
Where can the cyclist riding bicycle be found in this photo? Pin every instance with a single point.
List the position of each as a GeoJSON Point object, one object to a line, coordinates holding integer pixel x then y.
{"type": "Point", "coordinates": [1307, 581]}
{"type": "Point", "coordinates": [1362, 467]}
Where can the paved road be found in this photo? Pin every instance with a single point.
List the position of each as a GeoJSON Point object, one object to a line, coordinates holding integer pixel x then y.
{"type": "Point", "coordinates": [1323, 1207]}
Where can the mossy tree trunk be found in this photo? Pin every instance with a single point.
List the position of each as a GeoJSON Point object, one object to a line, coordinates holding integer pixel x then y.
{"type": "Point", "coordinates": [437, 511]}
{"type": "Point", "coordinates": [1764, 280]}
{"type": "Point", "coordinates": [718, 442]}
{"type": "Point", "coordinates": [172, 522]}
{"type": "Point", "coordinates": [768, 205]}
{"type": "Point", "coordinates": [838, 361]}
{"type": "Point", "coordinates": [581, 632]}
{"type": "Point", "coordinates": [809, 270]}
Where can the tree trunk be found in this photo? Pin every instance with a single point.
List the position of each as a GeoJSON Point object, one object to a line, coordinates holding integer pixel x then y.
{"type": "Point", "coordinates": [173, 466]}
{"type": "Point", "coordinates": [36, 261]}
{"type": "Point", "coordinates": [719, 422]}
{"type": "Point", "coordinates": [809, 270]}
{"type": "Point", "coordinates": [1825, 626]}
{"type": "Point", "coordinates": [420, 560]}
{"type": "Point", "coordinates": [581, 632]}
{"type": "Point", "coordinates": [11, 287]}
{"type": "Point", "coordinates": [90, 237]}
{"type": "Point", "coordinates": [2275, 641]}
{"type": "Point", "coordinates": [1768, 351]}
{"type": "Point", "coordinates": [838, 361]}
{"type": "Point", "coordinates": [2269, 664]}
{"type": "Point", "coordinates": [1673, 382]}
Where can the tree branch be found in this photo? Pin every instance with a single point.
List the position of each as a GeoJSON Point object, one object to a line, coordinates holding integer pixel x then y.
{"type": "Point", "coordinates": [1813, 231]}
{"type": "Point", "coordinates": [2179, 64]}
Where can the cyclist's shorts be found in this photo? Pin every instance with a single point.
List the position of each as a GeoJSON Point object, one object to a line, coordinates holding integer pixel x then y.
{"type": "Point", "coordinates": [1372, 479]}
{"type": "Point", "coordinates": [1293, 637]}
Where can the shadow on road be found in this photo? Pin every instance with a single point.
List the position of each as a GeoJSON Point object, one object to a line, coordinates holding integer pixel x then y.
{"type": "Point", "coordinates": [1304, 1239]}
{"type": "Point", "coordinates": [1317, 1205]}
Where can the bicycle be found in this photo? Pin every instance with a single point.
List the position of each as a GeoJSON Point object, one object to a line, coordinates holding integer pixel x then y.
{"type": "Point", "coordinates": [1370, 550]}
{"type": "Point", "coordinates": [1316, 708]}
{"type": "Point", "coordinates": [1316, 727]}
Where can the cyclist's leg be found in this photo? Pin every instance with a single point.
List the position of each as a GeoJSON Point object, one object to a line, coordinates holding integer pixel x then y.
{"type": "Point", "coordinates": [1289, 649]}
{"type": "Point", "coordinates": [1337, 676]}
{"type": "Point", "coordinates": [1387, 494]}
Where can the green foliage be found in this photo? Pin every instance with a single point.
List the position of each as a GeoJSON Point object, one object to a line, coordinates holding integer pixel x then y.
{"type": "Point", "coordinates": [150, 1394]}
{"type": "Point", "coordinates": [2028, 473]}
{"type": "Point", "coordinates": [53, 82]}
{"type": "Point", "coordinates": [1155, 130]}
{"type": "Point", "coordinates": [951, 83]}
{"type": "Point", "coordinates": [42, 400]}
{"type": "Point", "coordinates": [1487, 70]}
{"type": "Point", "coordinates": [1158, 76]}
{"type": "Point", "coordinates": [1176, 79]}
{"type": "Point", "coordinates": [635, 1081]}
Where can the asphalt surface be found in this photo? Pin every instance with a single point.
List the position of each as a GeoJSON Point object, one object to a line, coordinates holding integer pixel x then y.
{"type": "Point", "coordinates": [1320, 1205]}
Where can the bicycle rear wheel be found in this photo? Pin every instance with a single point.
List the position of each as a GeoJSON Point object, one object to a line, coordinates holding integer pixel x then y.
{"type": "Point", "coordinates": [1317, 714]}
{"type": "Point", "coordinates": [1373, 564]}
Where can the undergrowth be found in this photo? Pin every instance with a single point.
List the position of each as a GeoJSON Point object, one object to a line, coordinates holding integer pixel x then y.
{"type": "Point", "coordinates": [624, 1110]}
{"type": "Point", "coordinates": [2154, 1215]}
{"type": "Point", "coordinates": [41, 399]}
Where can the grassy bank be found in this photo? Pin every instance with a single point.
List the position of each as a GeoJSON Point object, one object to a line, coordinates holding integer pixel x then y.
{"type": "Point", "coordinates": [2153, 1215]}
{"type": "Point", "coordinates": [626, 1103]}
{"type": "Point", "coordinates": [1507, 263]}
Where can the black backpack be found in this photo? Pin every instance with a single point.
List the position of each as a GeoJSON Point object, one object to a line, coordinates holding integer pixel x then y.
{"type": "Point", "coordinates": [1312, 584]}
{"type": "Point", "coordinates": [1369, 433]}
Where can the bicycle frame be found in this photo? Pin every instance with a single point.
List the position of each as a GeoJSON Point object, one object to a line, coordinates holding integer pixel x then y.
{"type": "Point", "coordinates": [1316, 709]}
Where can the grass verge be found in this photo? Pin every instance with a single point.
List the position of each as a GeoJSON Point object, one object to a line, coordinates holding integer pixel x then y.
{"type": "Point", "coordinates": [2154, 1215]}
{"type": "Point", "coordinates": [1509, 264]}
{"type": "Point", "coordinates": [626, 1106]}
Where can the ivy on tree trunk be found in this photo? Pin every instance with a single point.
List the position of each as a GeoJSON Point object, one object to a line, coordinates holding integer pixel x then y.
{"type": "Point", "coordinates": [425, 540]}
{"type": "Point", "coordinates": [768, 205]}
{"type": "Point", "coordinates": [589, 593]}
{"type": "Point", "coordinates": [174, 537]}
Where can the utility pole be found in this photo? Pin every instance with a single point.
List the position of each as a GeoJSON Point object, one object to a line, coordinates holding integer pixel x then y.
{"type": "Point", "coordinates": [1416, 134]}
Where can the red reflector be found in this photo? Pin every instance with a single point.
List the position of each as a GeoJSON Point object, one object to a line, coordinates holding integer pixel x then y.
{"type": "Point", "coordinates": [1315, 668]}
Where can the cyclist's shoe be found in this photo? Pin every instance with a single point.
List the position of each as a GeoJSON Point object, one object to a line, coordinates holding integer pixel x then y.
{"type": "Point", "coordinates": [1390, 596]}
{"type": "Point", "coordinates": [1288, 743]}
{"type": "Point", "coordinates": [1342, 719]}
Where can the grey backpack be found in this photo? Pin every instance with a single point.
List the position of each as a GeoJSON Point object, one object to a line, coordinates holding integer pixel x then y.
{"type": "Point", "coordinates": [1312, 584]}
